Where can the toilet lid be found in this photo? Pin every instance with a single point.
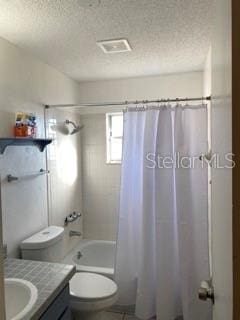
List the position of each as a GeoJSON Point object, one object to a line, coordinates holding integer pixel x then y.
{"type": "Point", "coordinates": [86, 285]}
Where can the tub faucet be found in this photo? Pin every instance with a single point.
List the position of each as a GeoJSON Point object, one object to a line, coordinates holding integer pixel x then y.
{"type": "Point", "coordinates": [79, 254]}
{"type": "Point", "coordinates": [73, 233]}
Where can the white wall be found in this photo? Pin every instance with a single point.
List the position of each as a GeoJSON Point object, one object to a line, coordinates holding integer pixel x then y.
{"type": "Point", "coordinates": [222, 144]}
{"type": "Point", "coordinates": [207, 91]}
{"type": "Point", "coordinates": [101, 181]}
{"type": "Point", "coordinates": [26, 84]}
{"type": "Point", "coordinates": [167, 86]}
{"type": "Point", "coordinates": [207, 74]}
{"type": "Point", "coordinates": [2, 298]}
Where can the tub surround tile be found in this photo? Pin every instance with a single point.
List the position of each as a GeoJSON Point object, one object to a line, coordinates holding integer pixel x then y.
{"type": "Point", "coordinates": [49, 278]}
{"type": "Point", "coordinates": [101, 182]}
{"type": "Point", "coordinates": [65, 180]}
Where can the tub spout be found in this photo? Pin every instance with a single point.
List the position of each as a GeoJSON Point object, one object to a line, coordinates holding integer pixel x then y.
{"type": "Point", "coordinates": [79, 255]}
{"type": "Point", "coordinates": [74, 233]}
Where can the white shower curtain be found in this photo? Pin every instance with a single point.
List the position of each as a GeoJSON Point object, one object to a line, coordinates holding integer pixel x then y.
{"type": "Point", "coordinates": [162, 245]}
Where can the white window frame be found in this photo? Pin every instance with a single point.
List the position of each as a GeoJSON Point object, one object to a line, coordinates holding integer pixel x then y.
{"type": "Point", "coordinates": [108, 136]}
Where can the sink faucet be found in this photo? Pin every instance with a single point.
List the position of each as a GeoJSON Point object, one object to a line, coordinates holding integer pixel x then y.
{"type": "Point", "coordinates": [73, 233]}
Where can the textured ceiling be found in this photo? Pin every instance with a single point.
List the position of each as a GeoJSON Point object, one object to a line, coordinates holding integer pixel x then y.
{"type": "Point", "coordinates": [167, 36]}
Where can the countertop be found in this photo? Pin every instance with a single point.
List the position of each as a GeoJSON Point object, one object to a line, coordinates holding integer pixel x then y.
{"type": "Point", "coordinates": [49, 278]}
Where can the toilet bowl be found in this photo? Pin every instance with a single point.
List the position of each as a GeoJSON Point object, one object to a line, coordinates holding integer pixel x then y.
{"type": "Point", "coordinates": [90, 294]}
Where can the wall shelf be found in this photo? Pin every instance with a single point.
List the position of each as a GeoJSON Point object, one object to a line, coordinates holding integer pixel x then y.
{"type": "Point", "coordinates": [39, 143]}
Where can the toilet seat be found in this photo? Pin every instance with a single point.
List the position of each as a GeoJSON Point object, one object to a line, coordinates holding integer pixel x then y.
{"type": "Point", "coordinates": [91, 286]}
{"type": "Point", "coordinates": [91, 293]}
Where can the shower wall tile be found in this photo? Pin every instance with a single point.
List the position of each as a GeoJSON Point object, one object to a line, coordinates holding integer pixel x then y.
{"type": "Point", "coordinates": [65, 179]}
{"type": "Point", "coordinates": [24, 202]}
{"type": "Point", "coordinates": [101, 182]}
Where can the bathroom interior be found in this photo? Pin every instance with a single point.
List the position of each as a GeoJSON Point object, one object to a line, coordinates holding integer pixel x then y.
{"type": "Point", "coordinates": [109, 199]}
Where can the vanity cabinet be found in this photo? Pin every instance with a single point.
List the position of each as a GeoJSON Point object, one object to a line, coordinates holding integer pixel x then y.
{"type": "Point", "coordinates": [59, 309]}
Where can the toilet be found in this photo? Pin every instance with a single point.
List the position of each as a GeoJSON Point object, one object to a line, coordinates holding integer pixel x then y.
{"type": "Point", "coordinates": [90, 293]}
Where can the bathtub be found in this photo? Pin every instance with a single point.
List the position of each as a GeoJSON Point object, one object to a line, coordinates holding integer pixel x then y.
{"type": "Point", "coordinates": [93, 256]}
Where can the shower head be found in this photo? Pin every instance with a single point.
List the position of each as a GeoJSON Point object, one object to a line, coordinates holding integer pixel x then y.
{"type": "Point", "coordinates": [64, 129]}
{"type": "Point", "coordinates": [61, 128]}
{"type": "Point", "coordinates": [76, 128]}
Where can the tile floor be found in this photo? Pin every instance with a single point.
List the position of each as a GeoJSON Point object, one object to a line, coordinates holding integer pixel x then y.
{"type": "Point", "coordinates": [113, 316]}
{"type": "Point", "coordinates": [118, 316]}
{"type": "Point", "coordinates": [109, 315]}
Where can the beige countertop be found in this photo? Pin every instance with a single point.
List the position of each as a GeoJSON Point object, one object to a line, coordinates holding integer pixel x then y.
{"type": "Point", "coordinates": [49, 278]}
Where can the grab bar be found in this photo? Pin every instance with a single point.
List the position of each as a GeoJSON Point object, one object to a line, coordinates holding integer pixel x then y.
{"type": "Point", "coordinates": [11, 178]}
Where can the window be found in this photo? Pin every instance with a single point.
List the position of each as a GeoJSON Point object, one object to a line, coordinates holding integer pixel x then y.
{"type": "Point", "coordinates": [114, 135]}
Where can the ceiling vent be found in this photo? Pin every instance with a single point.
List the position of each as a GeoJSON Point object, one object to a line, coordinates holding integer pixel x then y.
{"type": "Point", "coordinates": [114, 46]}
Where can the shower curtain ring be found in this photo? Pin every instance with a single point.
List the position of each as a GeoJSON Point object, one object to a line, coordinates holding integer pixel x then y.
{"type": "Point", "coordinates": [144, 104]}
{"type": "Point", "coordinates": [168, 102]}
{"type": "Point", "coordinates": [126, 108]}
{"type": "Point", "coordinates": [136, 107]}
{"type": "Point", "coordinates": [177, 102]}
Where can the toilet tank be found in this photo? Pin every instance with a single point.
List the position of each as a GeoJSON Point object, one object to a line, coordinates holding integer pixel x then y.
{"type": "Point", "coordinates": [46, 245]}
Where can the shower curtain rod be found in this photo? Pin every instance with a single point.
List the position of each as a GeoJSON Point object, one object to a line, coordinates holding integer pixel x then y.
{"type": "Point", "coordinates": [124, 103]}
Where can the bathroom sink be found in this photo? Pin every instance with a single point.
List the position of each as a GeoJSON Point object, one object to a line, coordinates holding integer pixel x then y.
{"type": "Point", "coordinates": [20, 298]}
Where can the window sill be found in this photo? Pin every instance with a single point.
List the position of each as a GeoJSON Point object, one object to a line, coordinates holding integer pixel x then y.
{"type": "Point", "coordinates": [114, 162]}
